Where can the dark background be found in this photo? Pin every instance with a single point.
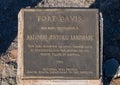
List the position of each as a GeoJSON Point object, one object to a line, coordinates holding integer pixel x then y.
{"type": "Point", "coordinates": [9, 10]}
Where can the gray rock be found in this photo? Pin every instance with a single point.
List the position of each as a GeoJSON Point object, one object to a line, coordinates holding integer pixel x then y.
{"type": "Point", "coordinates": [4, 83]}
{"type": "Point", "coordinates": [8, 71]}
{"type": "Point", "coordinates": [111, 67]}
{"type": "Point", "coordinates": [65, 3]}
{"type": "Point", "coordinates": [117, 75]}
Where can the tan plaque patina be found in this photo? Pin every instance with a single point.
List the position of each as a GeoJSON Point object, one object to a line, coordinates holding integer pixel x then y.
{"type": "Point", "coordinates": [59, 44]}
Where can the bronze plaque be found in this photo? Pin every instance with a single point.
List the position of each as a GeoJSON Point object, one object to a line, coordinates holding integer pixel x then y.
{"type": "Point", "coordinates": [60, 43]}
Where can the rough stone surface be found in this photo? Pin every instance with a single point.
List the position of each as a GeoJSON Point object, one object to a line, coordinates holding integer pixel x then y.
{"type": "Point", "coordinates": [4, 83]}
{"type": "Point", "coordinates": [66, 3]}
{"type": "Point", "coordinates": [115, 82]}
{"type": "Point", "coordinates": [8, 30]}
{"type": "Point", "coordinates": [45, 82]}
{"type": "Point", "coordinates": [8, 38]}
{"type": "Point", "coordinates": [13, 56]}
{"type": "Point", "coordinates": [118, 73]}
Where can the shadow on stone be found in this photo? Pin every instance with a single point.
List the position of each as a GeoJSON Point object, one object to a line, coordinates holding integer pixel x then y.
{"type": "Point", "coordinates": [111, 15]}
{"type": "Point", "coordinates": [9, 10]}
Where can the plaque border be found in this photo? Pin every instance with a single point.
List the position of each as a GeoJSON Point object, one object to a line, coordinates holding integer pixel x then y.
{"type": "Point", "coordinates": [21, 36]}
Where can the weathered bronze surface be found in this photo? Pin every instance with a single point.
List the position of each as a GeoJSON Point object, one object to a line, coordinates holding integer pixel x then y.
{"type": "Point", "coordinates": [60, 43]}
